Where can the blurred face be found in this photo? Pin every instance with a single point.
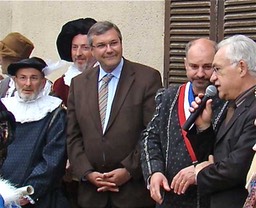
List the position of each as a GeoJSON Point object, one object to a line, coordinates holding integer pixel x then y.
{"type": "Point", "coordinates": [29, 82]}
{"type": "Point", "coordinates": [226, 76]}
{"type": "Point", "coordinates": [81, 53]}
{"type": "Point", "coordinates": [107, 49]}
{"type": "Point", "coordinates": [198, 64]}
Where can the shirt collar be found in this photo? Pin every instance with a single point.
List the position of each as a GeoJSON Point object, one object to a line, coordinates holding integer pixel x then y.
{"type": "Point", "coordinates": [116, 72]}
{"type": "Point", "coordinates": [240, 99]}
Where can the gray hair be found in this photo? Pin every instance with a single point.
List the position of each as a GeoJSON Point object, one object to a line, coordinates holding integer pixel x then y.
{"type": "Point", "coordinates": [240, 47]}
{"type": "Point", "coordinates": [100, 28]}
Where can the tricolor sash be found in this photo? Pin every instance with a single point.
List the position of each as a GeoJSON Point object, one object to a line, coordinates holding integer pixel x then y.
{"type": "Point", "coordinates": [183, 113]}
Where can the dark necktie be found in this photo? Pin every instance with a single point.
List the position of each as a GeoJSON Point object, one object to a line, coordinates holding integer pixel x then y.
{"type": "Point", "coordinates": [103, 97]}
{"type": "Point", "coordinates": [230, 111]}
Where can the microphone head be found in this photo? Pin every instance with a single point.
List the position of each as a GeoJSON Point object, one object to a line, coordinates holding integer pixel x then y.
{"type": "Point", "coordinates": [210, 91]}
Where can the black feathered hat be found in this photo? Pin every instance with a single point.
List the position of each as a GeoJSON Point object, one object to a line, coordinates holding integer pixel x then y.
{"type": "Point", "coordinates": [68, 32]}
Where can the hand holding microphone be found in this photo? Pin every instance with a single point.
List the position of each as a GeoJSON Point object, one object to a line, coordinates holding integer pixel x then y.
{"type": "Point", "coordinates": [210, 92]}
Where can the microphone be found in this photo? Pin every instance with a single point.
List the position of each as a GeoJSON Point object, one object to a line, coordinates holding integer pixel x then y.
{"type": "Point", "coordinates": [210, 92]}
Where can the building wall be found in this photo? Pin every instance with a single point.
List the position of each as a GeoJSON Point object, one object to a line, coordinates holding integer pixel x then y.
{"type": "Point", "coordinates": [141, 24]}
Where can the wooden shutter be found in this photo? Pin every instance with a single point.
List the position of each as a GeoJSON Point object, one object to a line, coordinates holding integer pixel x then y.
{"type": "Point", "coordinates": [239, 18]}
{"type": "Point", "coordinates": [190, 19]}
{"type": "Point", "coordinates": [186, 20]}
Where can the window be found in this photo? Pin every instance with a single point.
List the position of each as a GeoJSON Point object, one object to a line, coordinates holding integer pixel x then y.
{"type": "Point", "coordinates": [189, 19]}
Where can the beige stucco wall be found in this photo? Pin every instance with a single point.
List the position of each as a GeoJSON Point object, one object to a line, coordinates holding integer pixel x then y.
{"type": "Point", "coordinates": [141, 24]}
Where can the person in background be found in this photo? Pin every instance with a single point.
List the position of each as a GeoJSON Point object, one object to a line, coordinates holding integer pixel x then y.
{"type": "Point", "coordinates": [7, 129]}
{"type": "Point", "coordinates": [108, 107]}
{"type": "Point", "coordinates": [72, 45]}
{"type": "Point", "coordinates": [15, 47]}
{"type": "Point", "coordinates": [250, 201]}
{"type": "Point", "coordinates": [230, 145]}
{"type": "Point", "coordinates": [37, 156]}
{"type": "Point", "coordinates": [165, 147]}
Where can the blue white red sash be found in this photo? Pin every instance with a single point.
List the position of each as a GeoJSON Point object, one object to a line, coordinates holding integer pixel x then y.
{"type": "Point", "coordinates": [184, 102]}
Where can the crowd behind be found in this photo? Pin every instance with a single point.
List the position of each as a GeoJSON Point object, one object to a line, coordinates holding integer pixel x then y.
{"type": "Point", "coordinates": [106, 134]}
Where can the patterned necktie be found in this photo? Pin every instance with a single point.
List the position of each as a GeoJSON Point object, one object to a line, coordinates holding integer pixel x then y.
{"type": "Point", "coordinates": [103, 97]}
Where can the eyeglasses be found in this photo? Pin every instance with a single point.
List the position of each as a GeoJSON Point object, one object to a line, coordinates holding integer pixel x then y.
{"type": "Point", "coordinates": [31, 79]}
{"type": "Point", "coordinates": [104, 46]}
{"type": "Point", "coordinates": [218, 70]}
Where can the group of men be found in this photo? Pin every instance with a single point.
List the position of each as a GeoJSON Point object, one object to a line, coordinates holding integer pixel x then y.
{"type": "Point", "coordinates": [122, 132]}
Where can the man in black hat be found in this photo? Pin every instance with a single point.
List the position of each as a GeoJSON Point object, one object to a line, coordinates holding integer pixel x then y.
{"type": "Point", "coordinates": [73, 47]}
{"type": "Point", "coordinates": [37, 155]}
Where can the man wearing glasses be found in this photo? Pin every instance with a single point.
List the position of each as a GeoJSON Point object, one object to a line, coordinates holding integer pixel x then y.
{"type": "Point", "coordinates": [37, 155]}
{"type": "Point", "coordinates": [223, 176]}
{"type": "Point", "coordinates": [108, 107]}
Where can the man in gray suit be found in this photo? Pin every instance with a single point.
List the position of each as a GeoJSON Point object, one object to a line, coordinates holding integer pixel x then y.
{"type": "Point", "coordinates": [223, 176]}
{"type": "Point", "coordinates": [104, 147]}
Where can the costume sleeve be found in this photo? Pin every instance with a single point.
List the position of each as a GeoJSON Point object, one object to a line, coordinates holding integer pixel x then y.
{"type": "Point", "coordinates": [51, 165]}
{"type": "Point", "coordinates": [59, 89]}
{"type": "Point", "coordinates": [151, 151]}
{"type": "Point", "coordinates": [132, 161]}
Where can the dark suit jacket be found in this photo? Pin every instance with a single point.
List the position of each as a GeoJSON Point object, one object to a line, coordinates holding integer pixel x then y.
{"type": "Point", "coordinates": [89, 149]}
{"type": "Point", "coordinates": [226, 178]}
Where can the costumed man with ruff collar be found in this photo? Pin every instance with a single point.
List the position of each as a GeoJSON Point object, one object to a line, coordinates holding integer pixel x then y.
{"type": "Point", "coordinates": [37, 155]}
{"type": "Point", "coordinates": [73, 47]}
{"type": "Point", "coordinates": [165, 147]}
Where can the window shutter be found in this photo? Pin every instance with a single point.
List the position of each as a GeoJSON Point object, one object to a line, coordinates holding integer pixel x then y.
{"type": "Point", "coordinates": [187, 20]}
{"type": "Point", "coordinates": [190, 19]}
{"type": "Point", "coordinates": [239, 18]}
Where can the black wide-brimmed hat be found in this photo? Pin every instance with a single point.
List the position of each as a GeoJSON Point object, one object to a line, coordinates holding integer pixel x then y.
{"type": "Point", "coordinates": [68, 32]}
{"type": "Point", "coordinates": [34, 62]}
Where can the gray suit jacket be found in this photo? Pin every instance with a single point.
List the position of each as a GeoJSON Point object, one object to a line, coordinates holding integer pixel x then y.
{"type": "Point", "coordinates": [226, 178]}
{"type": "Point", "coordinates": [91, 150]}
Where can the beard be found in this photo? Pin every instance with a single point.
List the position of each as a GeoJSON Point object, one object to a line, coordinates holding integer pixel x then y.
{"type": "Point", "coordinates": [27, 97]}
{"type": "Point", "coordinates": [87, 65]}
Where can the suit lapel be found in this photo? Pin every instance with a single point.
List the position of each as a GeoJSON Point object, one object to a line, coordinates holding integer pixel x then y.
{"type": "Point", "coordinates": [224, 129]}
{"type": "Point", "coordinates": [238, 112]}
{"type": "Point", "coordinates": [124, 84]}
{"type": "Point", "coordinates": [92, 89]}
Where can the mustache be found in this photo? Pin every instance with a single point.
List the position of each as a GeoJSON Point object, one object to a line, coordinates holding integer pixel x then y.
{"type": "Point", "coordinates": [26, 88]}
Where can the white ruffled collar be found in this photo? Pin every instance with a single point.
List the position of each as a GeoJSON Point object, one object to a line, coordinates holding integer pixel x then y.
{"type": "Point", "coordinates": [71, 73]}
{"type": "Point", "coordinates": [33, 110]}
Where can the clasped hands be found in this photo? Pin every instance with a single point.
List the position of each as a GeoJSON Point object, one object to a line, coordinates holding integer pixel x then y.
{"type": "Point", "coordinates": [180, 183]}
{"type": "Point", "coordinates": [109, 181]}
